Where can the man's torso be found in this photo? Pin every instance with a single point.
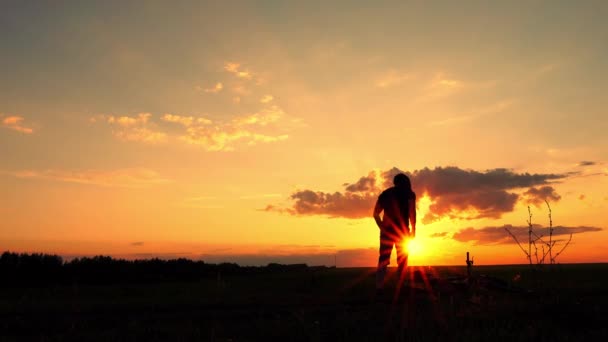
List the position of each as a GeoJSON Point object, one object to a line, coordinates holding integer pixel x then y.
{"type": "Point", "coordinates": [395, 203]}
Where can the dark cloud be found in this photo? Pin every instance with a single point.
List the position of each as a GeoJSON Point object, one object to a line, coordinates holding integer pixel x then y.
{"type": "Point", "coordinates": [581, 197]}
{"type": "Point", "coordinates": [452, 179]}
{"type": "Point", "coordinates": [454, 192]}
{"type": "Point", "coordinates": [348, 204]}
{"type": "Point", "coordinates": [472, 205]}
{"type": "Point", "coordinates": [587, 163]}
{"type": "Point", "coordinates": [440, 234]}
{"type": "Point", "coordinates": [499, 235]}
{"type": "Point", "coordinates": [364, 184]}
{"type": "Point", "coordinates": [137, 243]}
{"type": "Point", "coordinates": [538, 196]}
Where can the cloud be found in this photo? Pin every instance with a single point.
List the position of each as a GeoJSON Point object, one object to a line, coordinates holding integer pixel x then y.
{"type": "Point", "coordinates": [15, 123]}
{"type": "Point", "coordinates": [215, 89]}
{"type": "Point", "coordinates": [442, 85]}
{"type": "Point", "coordinates": [495, 108]}
{"type": "Point", "coordinates": [141, 134]}
{"type": "Point", "coordinates": [538, 196]}
{"type": "Point", "coordinates": [347, 204]}
{"type": "Point", "coordinates": [247, 129]}
{"type": "Point", "coordinates": [265, 126]}
{"type": "Point", "coordinates": [364, 184]}
{"type": "Point", "coordinates": [391, 78]}
{"type": "Point", "coordinates": [231, 67]}
{"type": "Point", "coordinates": [266, 98]}
{"type": "Point", "coordinates": [137, 243]}
{"type": "Point", "coordinates": [455, 193]}
{"type": "Point", "coordinates": [587, 163]}
{"type": "Point", "coordinates": [264, 117]}
{"type": "Point", "coordinates": [186, 121]}
{"type": "Point", "coordinates": [499, 235]}
{"type": "Point", "coordinates": [133, 128]}
{"type": "Point", "coordinates": [439, 235]}
{"type": "Point", "coordinates": [260, 196]}
{"type": "Point", "coordinates": [130, 177]}
{"type": "Point", "coordinates": [235, 69]}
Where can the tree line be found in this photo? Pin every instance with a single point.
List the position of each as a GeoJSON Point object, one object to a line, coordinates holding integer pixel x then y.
{"type": "Point", "coordinates": [44, 269]}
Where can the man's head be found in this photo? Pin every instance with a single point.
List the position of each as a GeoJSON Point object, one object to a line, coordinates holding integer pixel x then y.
{"type": "Point", "coordinates": [401, 180]}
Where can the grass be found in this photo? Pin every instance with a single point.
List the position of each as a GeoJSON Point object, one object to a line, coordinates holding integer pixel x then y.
{"type": "Point", "coordinates": [560, 303]}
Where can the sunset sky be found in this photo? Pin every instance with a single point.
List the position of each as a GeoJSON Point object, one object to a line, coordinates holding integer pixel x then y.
{"type": "Point", "coordinates": [263, 131]}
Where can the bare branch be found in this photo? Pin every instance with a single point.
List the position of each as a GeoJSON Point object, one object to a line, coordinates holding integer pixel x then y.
{"type": "Point", "coordinates": [551, 259]}
{"type": "Point", "coordinates": [535, 251]}
{"type": "Point", "coordinates": [542, 261]}
{"type": "Point", "coordinates": [515, 238]}
{"type": "Point", "coordinates": [539, 237]}
{"type": "Point", "coordinates": [529, 254]}
{"type": "Point", "coordinates": [563, 248]}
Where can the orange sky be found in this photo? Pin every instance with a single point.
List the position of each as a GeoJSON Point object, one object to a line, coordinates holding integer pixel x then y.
{"type": "Point", "coordinates": [251, 133]}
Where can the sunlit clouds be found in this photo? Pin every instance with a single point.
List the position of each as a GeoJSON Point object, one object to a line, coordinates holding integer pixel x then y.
{"type": "Point", "coordinates": [392, 78]}
{"type": "Point", "coordinates": [266, 98]}
{"type": "Point", "coordinates": [263, 126]}
{"type": "Point", "coordinates": [455, 193]}
{"type": "Point", "coordinates": [186, 121]}
{"type": "Point", "coordinates": [137, 128]}
{"type": "Point", "coordinates": [236, 70]}
{"type": "Point", "coordinates": [15, 123]}
{"type": "Point", "coordinates": [130, 178]}
{"type": "Point", "coordinates": [496, 235]}
{"type": "Point", "coordinates": [215, 89]}
{"type": "Point", "coordinates": [473, 114]}
{"type": "Point", "coordinates": [538, 196]}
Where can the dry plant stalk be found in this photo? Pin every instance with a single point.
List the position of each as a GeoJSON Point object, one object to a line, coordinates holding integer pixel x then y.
{"type": "Point", "coordinates": [536, 240]}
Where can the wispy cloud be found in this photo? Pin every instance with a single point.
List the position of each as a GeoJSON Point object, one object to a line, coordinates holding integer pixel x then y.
{"type": "Point", "coordinates": [200, 202]}
{"type": "Point", "coordinates": [392, 78]}
{"type": "Point", "coordinates": [214, 90]}
{"type": "Point", "coordinates": [266, 99]}
{"type": "Point", "coordinates": [236, 69]}
{"type": "Point", "coordinates": [263, 117]}
{"type": "Point", "coordinates": [542, 70]}
{"type": "Point", "coordinates": [133, 128]}
{"type": "Point", "coordinates": [260, 196]}
{"type": "Point", "coordinates": [495, 108]}
{"type": "Point", "coordinates": [15, 123]}
{"type": "Point", "coordinates": [130, 177]}
{"type": "Point", "coordinates": [264, 126]}
{"type": "Point", "coordinates": [442, 85]}
{"type": "Point", "coordinates": [186, 121]}
{"type": "Point", "coordinates": [499, 235]}
{"type": "Point", "coordinates": [250, 129]}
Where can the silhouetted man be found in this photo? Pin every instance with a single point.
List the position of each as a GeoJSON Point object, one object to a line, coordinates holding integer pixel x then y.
{"type": "Point", "coordinates": [397, 225]}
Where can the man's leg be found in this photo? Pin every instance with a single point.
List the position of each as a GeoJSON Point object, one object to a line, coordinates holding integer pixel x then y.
{"type": "Point", "coordinates": [402, 255]}
{"type": "Point", "coordinates": [386, 246]}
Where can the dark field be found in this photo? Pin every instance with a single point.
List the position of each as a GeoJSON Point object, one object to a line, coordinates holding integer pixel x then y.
{"type": "Point", "coordinates": [557, 303]}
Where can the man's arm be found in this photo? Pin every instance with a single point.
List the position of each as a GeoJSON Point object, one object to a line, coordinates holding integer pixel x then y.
{"type": "Point", "coordinates": [377, 211]}
{"type": "Point", "coordinates": [412, 205]}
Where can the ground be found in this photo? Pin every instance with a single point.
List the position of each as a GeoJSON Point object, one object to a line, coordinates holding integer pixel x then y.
{"type": "Point", "coordinates": [555, 303]}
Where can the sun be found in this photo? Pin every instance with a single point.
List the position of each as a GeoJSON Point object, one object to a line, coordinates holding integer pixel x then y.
{"type": "Point", "coordinates": [413, 247]}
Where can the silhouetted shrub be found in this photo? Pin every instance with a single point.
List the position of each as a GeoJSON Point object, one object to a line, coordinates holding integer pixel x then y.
{"type": "Point", "coordinates": [44, 269]}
